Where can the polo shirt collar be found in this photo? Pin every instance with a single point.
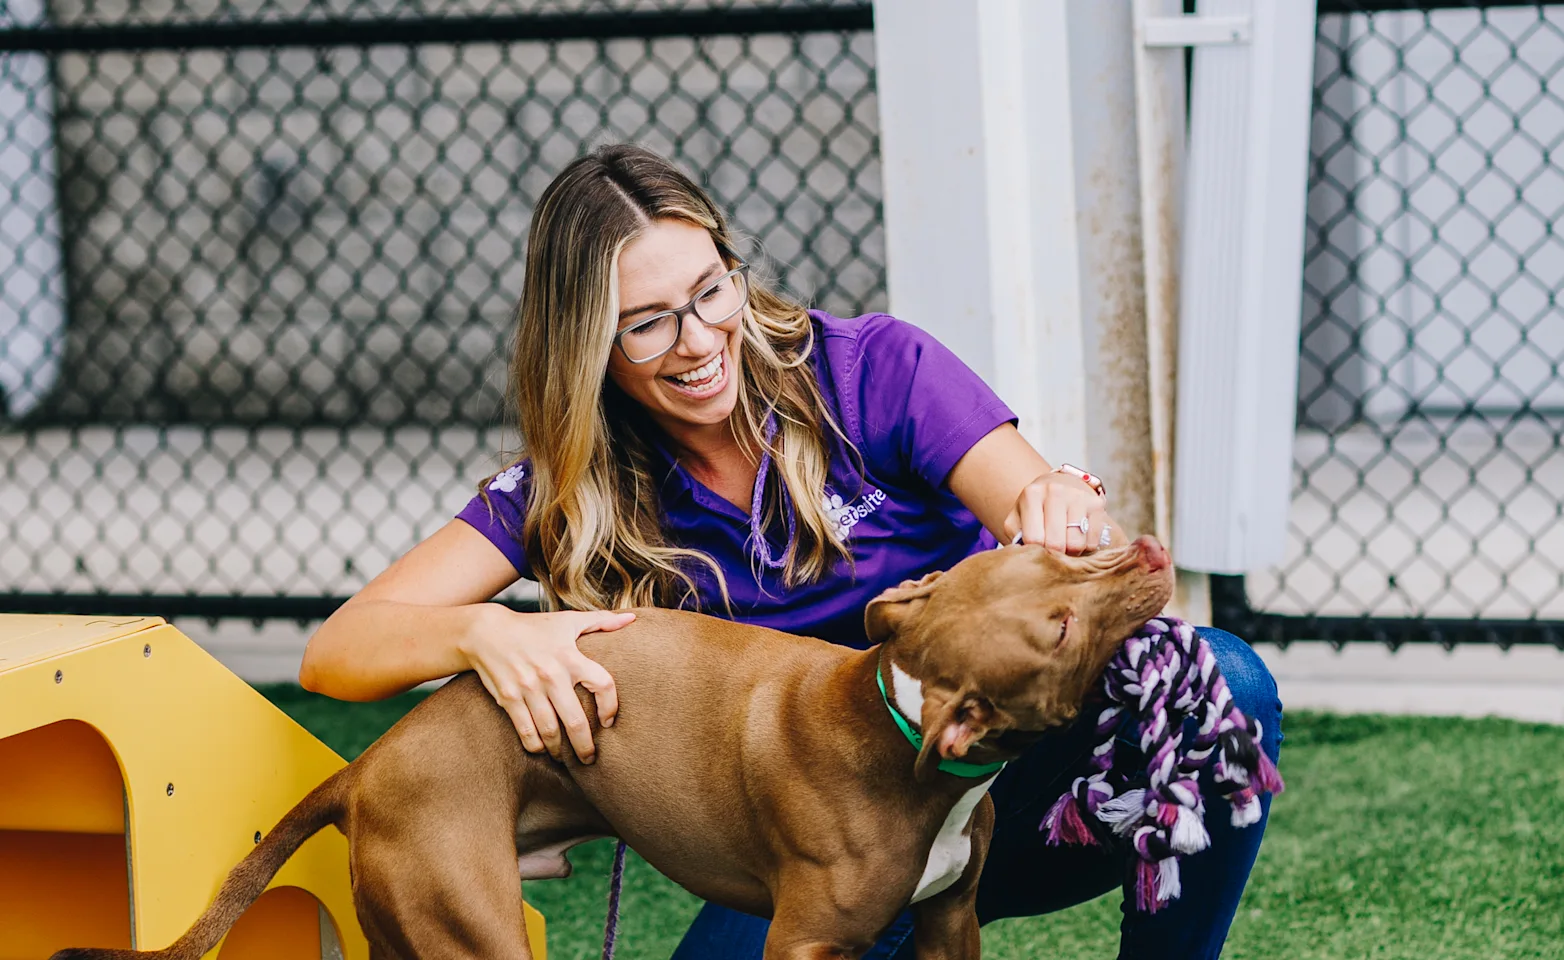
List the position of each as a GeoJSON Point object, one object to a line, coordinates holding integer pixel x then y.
{"type": "Point", "coordinates": [672, 479]}
{"type": "Point", "coordinates": [676, 483]}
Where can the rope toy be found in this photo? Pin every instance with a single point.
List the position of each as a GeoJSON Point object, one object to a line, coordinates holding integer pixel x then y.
{"type": "Point", "coordinates": [1164, 674]}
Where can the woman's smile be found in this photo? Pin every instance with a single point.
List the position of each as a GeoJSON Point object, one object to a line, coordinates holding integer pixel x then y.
{"type": "Point", "coordinates": [706, 380]}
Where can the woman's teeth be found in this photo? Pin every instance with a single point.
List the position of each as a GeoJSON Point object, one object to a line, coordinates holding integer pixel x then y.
{"type": "Point", "coordinates": [698, 376]}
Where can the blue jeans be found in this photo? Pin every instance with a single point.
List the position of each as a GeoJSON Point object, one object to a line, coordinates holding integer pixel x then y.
{"type": "Point", "coordinates": [1025, 877]}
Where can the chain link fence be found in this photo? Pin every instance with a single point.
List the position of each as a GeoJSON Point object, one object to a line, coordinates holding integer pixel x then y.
{"type": "Point", "coordinates": [1428, 498]}
{"type": "Point", "coordinates": [258, 261]}
{"type": "Point", "coordinates": [288, 239]}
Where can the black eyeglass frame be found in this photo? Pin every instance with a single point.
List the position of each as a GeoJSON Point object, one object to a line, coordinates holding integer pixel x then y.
{"type": "Point", "coordinates": [678, 315]}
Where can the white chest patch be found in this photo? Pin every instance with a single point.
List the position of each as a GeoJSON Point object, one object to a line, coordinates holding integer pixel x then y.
{"type": "Point", "coordinates": [908, 694]}
{"type": "Point", "coordinates": [952, 846]}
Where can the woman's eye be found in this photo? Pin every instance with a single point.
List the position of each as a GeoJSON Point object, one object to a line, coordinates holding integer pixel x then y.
{"type": "Point", "coordinates": [711, 292]}
{"type": "Point", "coordinates": [653, 327]}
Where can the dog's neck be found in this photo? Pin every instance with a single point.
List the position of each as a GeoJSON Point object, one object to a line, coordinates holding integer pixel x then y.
{"type": "Point", "coordinates": [904, 690]}
{"type": "Point", "coordinates": [902, 695]}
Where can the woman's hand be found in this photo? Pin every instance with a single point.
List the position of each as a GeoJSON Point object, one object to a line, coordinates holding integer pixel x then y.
{"type": "Point", "coordinates": [530, 664]}
{"type": "Point", "coordinates": [1050, 509]}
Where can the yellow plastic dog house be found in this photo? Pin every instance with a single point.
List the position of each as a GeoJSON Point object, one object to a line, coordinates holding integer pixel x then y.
{"type": "Point", "coordinates": [135, 771]}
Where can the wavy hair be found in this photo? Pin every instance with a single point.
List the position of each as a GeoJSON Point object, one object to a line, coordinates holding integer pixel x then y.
{"type": "Point", "coordinates": [592, 531]}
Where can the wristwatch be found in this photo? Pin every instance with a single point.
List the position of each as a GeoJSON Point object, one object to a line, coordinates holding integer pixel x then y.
{"type": "Point", "coordinates": [1090, 479]}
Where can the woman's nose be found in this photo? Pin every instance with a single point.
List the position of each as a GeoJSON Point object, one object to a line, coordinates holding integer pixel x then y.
{"type": "Point", "coordinates": [697, 340]}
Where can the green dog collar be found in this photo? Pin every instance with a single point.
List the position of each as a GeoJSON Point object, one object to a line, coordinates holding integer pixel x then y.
{"type": "Point", "coordinates": [957, 767]}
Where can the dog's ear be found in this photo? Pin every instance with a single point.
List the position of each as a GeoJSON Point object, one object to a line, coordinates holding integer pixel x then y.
{"type": "Point", "coordinates": [950, 726]}
{"type": "Point", "coordinates": [885, 615]}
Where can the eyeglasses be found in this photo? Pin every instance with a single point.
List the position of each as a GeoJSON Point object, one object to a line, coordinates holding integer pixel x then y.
{"type": "Point", "coordinates": [716, 303]}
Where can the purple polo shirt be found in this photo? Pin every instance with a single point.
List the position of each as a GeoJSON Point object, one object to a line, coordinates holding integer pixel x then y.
{"type": "Point", "coordinates": [910, 407]}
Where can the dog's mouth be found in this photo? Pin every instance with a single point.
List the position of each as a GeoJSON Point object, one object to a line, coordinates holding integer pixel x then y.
{"type": "Point", "coordinates": [1148, 572]}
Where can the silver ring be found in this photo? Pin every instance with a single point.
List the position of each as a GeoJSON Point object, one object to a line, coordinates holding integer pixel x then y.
{"type": "Point", "coordinates": [1083, 525]}
{"type": "Point", "coordinates": [1102, 541]}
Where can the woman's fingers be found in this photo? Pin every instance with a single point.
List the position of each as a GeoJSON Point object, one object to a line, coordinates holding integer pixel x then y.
{"type": "Point", "coordinates": [1055, 516]}
{"type": "Point", "coordinates": [521, 719]}
{"type": "Point", "coordinates": [511, 701]}
{"type": "Point", "coordinates": [1027, 517]}
{"type": "Point", "coordinates": [535, 680]}
{"type": "Point", "coordinates": [590, 674]}
{"type": "Point", "coordinates": [1117, 535]}
{"type": "Point", "coordinates": [1103, 533]}
{"type": "Point", "coordinates": [599, 620]}
{"type": "Point", "coordinates": [572, 719]}
{"type": "Point", "coordinates": [1074, 537]}
{"type": "Point", "coordinates": [544, 717]}
{"type": "Point", "coordinates": [1053, 509]}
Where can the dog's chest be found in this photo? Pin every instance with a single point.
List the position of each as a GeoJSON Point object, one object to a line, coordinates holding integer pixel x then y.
{"type": "Point", "coordinates": [952, 846]}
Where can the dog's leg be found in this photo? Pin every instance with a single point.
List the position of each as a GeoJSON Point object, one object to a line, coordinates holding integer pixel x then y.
{"type": "Point", "coordinates": [945, 926]}
{"type": "Point", "coordinates": [794, 944]}
{"type": "Point", "coordinates": [823, 914]}
{"type": "Point", "coordinates": [441, 885]}
{"type": "Point", "coordinates": [433, 824]}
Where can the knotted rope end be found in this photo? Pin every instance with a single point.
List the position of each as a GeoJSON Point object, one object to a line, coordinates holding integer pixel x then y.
{"type": "Point", "coordinates": [1156, 884]}
{"type": "Point", "coordinates": [1065, 825]}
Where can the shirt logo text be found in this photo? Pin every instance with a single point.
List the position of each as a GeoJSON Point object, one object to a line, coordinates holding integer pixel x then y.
{"type": "Point", "coordinates": [845, 516]}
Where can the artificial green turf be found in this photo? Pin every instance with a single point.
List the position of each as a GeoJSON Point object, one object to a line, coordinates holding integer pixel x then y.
{"type": "Point", "coordinates": [1397, 837]}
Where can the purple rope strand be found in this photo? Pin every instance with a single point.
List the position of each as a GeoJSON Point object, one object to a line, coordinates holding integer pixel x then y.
{"type": "Point", "coordinates": [615, 883]}
{"type": "Point", "coordinates": [1165, 673]}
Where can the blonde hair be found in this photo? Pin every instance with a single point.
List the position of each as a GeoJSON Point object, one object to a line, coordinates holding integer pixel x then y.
{"type": "Point", "coordinates": [592, 531]}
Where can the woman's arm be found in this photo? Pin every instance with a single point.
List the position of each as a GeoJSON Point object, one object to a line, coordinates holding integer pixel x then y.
{"type": "Point", "coordinates": [406, 625]}
{"type": "Point", "coordinates": [1011, 489]}
{"type": "Point", "coordinates": [427, 616]}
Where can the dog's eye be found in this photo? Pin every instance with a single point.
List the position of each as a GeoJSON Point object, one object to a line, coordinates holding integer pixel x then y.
{"type": "Point", "coordinates": [1064, 628]}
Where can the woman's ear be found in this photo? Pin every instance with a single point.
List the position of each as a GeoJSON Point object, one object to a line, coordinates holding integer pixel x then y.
{"type": "Point", "coordinates": [889, 613]}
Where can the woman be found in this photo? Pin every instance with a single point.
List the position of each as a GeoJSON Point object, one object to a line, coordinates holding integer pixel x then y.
{"type": "Point", "coordinates": [695, 439]}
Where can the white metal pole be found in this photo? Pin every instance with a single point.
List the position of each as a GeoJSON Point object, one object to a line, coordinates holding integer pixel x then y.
{"type": "Point", "coordinates": [1241, 290]}
{"type": "Point", "coordinates": [1013, 215]}
{"type": "Point", "coordinates": [980, 215]}
{"type": "Point", "coordinates": [1160, 120]}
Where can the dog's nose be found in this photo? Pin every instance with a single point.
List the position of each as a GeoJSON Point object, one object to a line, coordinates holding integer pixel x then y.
{"type": "Point", "coordinates": [1153, 553]}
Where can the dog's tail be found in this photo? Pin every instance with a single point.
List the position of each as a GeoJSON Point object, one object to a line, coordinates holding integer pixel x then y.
{"type": "Point", "coordinates": [323, 806]}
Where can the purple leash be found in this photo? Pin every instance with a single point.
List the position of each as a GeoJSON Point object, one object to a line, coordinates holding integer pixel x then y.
{"type": "Point", "coordinates": [615, 883]}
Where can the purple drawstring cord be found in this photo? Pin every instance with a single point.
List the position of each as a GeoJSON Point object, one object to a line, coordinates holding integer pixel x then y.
{"type": "Point", "coordinates": [756, 531]}
{"type": "Point", "coordinates": [615, 883]}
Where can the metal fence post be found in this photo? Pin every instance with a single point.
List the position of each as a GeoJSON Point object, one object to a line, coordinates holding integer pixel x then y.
{"type": "Point", "coordinates": [1013, 223]}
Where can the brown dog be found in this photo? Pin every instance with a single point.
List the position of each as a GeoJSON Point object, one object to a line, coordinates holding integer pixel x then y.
{"type": "Point", "coordinates": [758, 770]}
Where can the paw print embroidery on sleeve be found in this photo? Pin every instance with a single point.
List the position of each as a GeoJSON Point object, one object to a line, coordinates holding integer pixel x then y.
{"type": "Point", "coordinates": [506, 482]}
